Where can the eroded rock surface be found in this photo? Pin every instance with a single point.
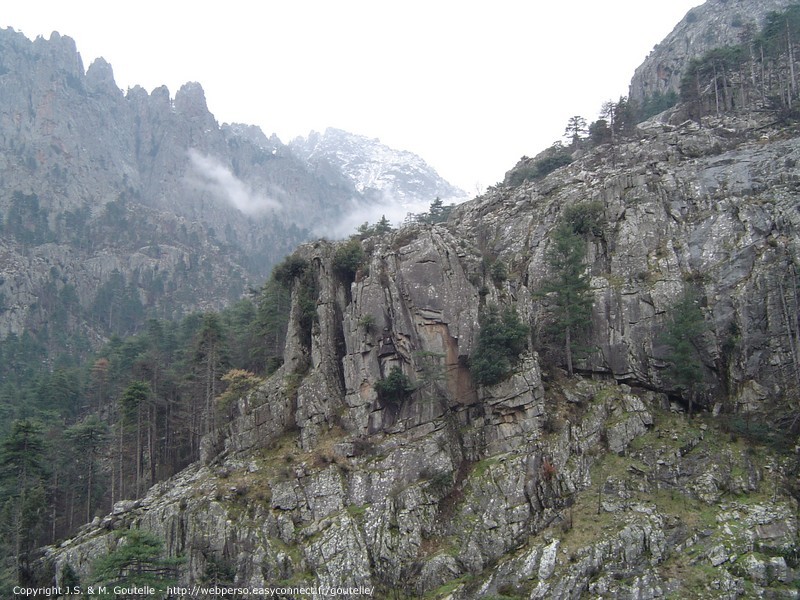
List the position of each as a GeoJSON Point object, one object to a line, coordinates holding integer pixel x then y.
{"type": "Point", "coordinates": [541, 486]}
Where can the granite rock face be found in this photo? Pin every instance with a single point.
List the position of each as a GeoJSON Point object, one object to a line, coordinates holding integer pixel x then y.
{"type": "Point", "coordinates": [541, 486]}
{"type": "Point", "coordinates": [712, 207]}
{"type": "Point", "coordinates": [713, 24]}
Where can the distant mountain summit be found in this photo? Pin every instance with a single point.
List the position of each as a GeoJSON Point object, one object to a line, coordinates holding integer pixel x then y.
{"type": "Point", "coordinates": [375, 169]}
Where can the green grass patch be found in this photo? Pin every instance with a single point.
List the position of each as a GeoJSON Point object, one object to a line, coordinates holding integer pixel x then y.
{"type": "Point", "coordinates": [480, 468]}
{"type": "Point", "coordinates": [448, 588]}
{"type": "Point", "coordinates": [356, 511]}
{"type": "Point", "coordinates": [696, 579]}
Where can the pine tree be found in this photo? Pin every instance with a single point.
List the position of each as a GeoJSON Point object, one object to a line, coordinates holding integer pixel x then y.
{"type": "Point", "coordinates": [99, 384]}
{"type": "Point", "coordinates": [569, 289]}
{"type": "Point", "coordinates": [599, 132]}
{"type": "Point", "coordinates": [69, 578]}
{"type": "Point", "coordinates": [684, 328]}
{"type": "Point", "coordinates": [274, 304]}
{"type": "Point", "coordinates": [209, 359]}
{"type": "Point", "coordinates": [395, 388]}
{"type": "Point", "coordinates": [136, 562]}
{"type": "Point", "coordinates": [501, 340]}
{"type": "Point", "coordinates": [383, 225]}
{"type": "Point", "coordinates": [87, 440]}
{"type": "Point", "coordinates": [348, 259]}
{"type": "Point", "coordinates": [134, 403]}
{"type": "Point", "coordinates": [438, 212]}
{"type": "Point", "coordinates": [22, 498]}
{"type": "Point", "coordinates": [576, 129]}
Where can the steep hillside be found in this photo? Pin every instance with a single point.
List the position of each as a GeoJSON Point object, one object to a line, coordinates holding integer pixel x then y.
{"type": "Point", "coordinates": [713, 24]}
{"type": "Point", "coordinates": [374, 457]}
{"type": "Point", "coordinates": [582, 384]}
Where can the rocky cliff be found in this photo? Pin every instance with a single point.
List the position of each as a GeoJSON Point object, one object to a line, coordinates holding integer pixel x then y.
{"type": "Point", "coordinates": [541, 486]}
{"type": "Point", "coordinates": [713, 24]}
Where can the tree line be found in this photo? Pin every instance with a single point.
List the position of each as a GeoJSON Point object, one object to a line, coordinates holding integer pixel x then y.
{"type": "Point", "coordinates": [80, 437]}
{"type": "Point", "coordinates": [758, 73]}
{"type": "Point", "coordinates": [616, 121]}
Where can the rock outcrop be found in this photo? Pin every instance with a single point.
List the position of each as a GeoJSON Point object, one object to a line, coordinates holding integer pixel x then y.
{"type": "Point", "coordinates": [712, 206]}
{"type": "Point", "coordinates": [540, 486]}
{"type": "Point", "coordinates": [713, 24]}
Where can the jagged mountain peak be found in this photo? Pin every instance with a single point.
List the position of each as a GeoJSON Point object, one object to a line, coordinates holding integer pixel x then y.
{"type": "Point", "coordinates": [374, 167]}
{"type": "Point", "coordinates": [254, 135]}
{"type": "Point", "coordinates": [75, 148]}
{"type": "Point", "coordinates": [100, 77]}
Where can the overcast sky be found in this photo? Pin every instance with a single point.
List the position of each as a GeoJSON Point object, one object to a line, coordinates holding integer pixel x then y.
{"type": "Point", "coordinates": [469, 86]}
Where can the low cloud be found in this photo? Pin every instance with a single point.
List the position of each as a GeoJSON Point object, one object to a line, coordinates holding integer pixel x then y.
{"type": "Point", "coordinates": [372, 210]}
{"type": "Point", "coordinates": [209, 175]}
{"type": "Point", "coordinates": [366, 211]}
{"type": "Point", "coordinates": [215, 178]}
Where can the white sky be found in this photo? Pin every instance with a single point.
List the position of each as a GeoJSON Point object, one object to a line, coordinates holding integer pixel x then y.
{"type": "Point", "coordinates": [470, 86]}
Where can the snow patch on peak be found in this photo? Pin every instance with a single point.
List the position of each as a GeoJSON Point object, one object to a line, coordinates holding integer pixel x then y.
{"type": "Point", "coordinates": [400, 176]}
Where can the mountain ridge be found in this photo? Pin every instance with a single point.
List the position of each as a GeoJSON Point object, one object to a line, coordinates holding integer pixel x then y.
{"type": "Point", "coordinates": [713, 24]}
{"type": "Point", "coordinates": [227, 199]}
